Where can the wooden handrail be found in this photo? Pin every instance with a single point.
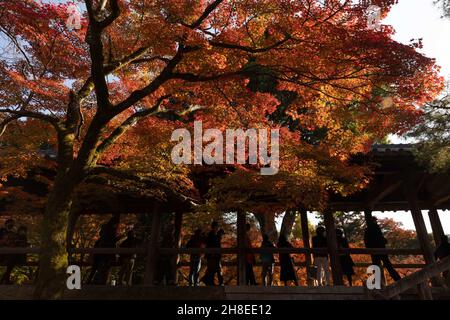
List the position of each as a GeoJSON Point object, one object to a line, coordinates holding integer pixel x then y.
{"type": "Point", "coordinates": [415, 279]}
{"type": "Point", "coordinates": [355, 251]}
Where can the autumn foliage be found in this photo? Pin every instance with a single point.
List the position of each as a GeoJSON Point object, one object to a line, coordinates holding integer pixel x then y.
{"type": "Point", "coordinates": [110, 93]}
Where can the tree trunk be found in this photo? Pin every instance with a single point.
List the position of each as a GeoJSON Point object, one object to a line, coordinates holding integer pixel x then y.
{"type": "Point", "coordinates": [288, 223]}
{"type": "Point", "coordinates": [53, 262]}
{"type": "Point", "coordinates": [267, 225]}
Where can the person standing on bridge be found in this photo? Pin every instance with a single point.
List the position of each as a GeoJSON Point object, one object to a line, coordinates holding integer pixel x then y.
{"type": "Point", "coordinates": [213, 240]}
{"type": "Point", "coordinates": [102, 263]}
{"type": "Point", "coordinates": [442, 252]}
{"type": "Point", "coordinates": [250, 259]}
{"type": "Point", "coordinates": [373, 238]}
{"type": "Point", "coordinates": [267, 261]}
{"type": "Point", "coordinates": [287, 272]}
{"type": "Point", "coordinates": [127, 260]}
{"type": "Point", "coordinates": [195, 263]}
{"type": "Point", "coordinates": [345, 259]}
{"type": "Point", "coordinates": [319, 241]}
{"type": "Point", "coordinates": [16, 240]}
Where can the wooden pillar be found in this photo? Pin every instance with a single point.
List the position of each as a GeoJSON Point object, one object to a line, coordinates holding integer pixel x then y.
{"type": "Point", "coordinates": [152, 247]}
{"type": "Point", "coordinates": [421, 229]}
{"type": "Point", "coordinates": [241, 221]}
{"type": "Point", "coordinates": [178, 222]}
{"type": "Point", "coordinates": [306, 242]}
{"type": "Point", "coordinates": [333, 248]}
{"type": "Point", "coordinates": [436, 225]}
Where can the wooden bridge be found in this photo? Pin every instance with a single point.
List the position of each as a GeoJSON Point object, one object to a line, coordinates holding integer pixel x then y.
{"type": "Point", "coordinates": [398, 184]}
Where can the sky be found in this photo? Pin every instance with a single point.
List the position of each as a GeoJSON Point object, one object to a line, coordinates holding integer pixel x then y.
{"type": "Point", "coordinates": [421, 19]}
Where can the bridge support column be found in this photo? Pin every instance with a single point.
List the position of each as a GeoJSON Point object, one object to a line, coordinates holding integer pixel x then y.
{"type": "Point", "coordinates": [436, 225]}
{"type": "Point", "coordinates": [421, 229]}
{"type": "Point", "coordinates": [152, 247]}
{"type": "Point", "coordinates": [333, 248]}
{"type": "Point", "coordinates": [306, 243]}
{"type": "Point", "coordinates": [241, 221]}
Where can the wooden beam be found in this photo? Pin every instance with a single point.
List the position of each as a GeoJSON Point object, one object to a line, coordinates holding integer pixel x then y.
{"type": "Point", "coordinates": [241, 221]}
{"type": "Point", "coordinates": [442, 199]}
{"type": "Point", "coordinates": [385, 191]}
{"type": "Point", "coordinates": [414, 279]}
{"type": "Point", "coordinates": [419, 222]}
{"type": "Point", "coordinates": [306, 243]}
{"type": "Point", "coordinates": [436, 225]}
{"type": "Point", "coordinates": [333, 248]}
{"type": "Point", "coordinates": [152, 247]}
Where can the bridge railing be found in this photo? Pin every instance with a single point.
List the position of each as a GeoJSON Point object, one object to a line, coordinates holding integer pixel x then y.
{"type": "Point", "coordinates": [225, 251]}
{"type": "Point", "coordinates": [420, 280]}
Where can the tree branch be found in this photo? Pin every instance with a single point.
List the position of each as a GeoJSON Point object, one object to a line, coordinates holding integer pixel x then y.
{"type": "Point", "coordinates": [17, 114]}
{"type": "Point", "coordinates": [209, 9]}
{"type": "Point", "coordinates": [249, 49]}
{"type": "Point", "coordinates": [148, 181]}
{"type": "Point", "coordinates": [129, 122]}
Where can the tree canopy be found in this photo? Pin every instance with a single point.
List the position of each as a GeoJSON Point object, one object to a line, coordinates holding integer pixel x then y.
{"type": "Point", "coordinates": [108, 95]}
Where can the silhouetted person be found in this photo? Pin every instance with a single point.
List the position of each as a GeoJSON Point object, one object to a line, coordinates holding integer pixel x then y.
{"type": "Point", "coordinates": [8, 229]}
{"type": "Point", "coordinates": [287, 272]}
{"type": "Point", "coordinates": [249, 259]}
{"type": "Point", "coordinates": [345, 259]}
{"type": "Point", "coordinates": [373, 238]}
{"type": "Point", "coordinates": [7, 236]}
{"type": "Point", "coordinates": [213, 264]}
{"type": "Point", "coordinates": [319, 241]}
{"type": "Point", "coordinates": [267, 261]}
{"type": "Point", "coordinates": [17, 240]}
{"type": "Point", "coordinates": [442, 252]}
{"type": "Point", "coordinates": [127, 260]}
{"type": "Point", "coordinates": [102, 262]}
{"type": "Point", "coordinates": [165, 266]}
{"type": "Point", "coordinates": [195, 263]}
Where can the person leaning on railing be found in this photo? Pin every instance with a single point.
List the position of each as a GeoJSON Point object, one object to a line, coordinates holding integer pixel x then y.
{"type": "Point", "coordinates": [16, 240]}
{"type": "Point", "coordinates": [442, 252]}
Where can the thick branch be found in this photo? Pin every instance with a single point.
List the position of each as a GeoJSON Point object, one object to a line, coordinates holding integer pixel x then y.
{"type": "Point", "coordinates": [129, 122]}
{"type": "Point", "coordinates": [94, 39]}
{"type": "Point", "coordinates": [32, 114]}
{"type": "Point", "coordinates": [209, 9]}
{"type": "Point", "coordinates": [249, 49]}
{"type": "Point", "coordinates": [5, 123]}
{"type": "Point", "coordinates": [148, 181]}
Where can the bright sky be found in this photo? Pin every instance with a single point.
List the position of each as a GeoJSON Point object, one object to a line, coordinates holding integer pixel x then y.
{"type": "Point", "coordinates": [421, 19]}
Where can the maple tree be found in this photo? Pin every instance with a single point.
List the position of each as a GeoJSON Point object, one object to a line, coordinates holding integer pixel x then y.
{"type": "Point", "coordinates": [138, 68]}
{"type": "Point", "coordinates": [433, 135]}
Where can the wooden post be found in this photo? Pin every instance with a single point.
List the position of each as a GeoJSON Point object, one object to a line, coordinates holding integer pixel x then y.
{"type": "Point", "coordinates": [421, 229]}
{"type": "Point", "coordinates": [241, 221]}
{"type": "Point", "coordinates": [306, 243]}
{"type": "Point", "coordinates": [436, 225]}
{"type": "Point", "coordinates": [333, 248]}
{"type": "Point", "coordinates": [177, 243]}
{"type": "Point", "coordinates": [152, 247]}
